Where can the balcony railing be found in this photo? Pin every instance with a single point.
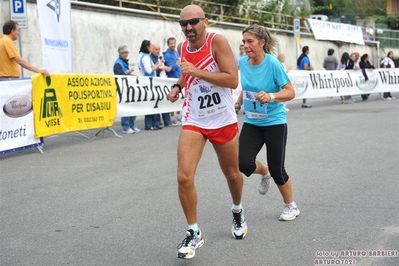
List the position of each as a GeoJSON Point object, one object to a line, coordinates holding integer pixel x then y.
{"type": "Point", "coordinates": [229, 15]}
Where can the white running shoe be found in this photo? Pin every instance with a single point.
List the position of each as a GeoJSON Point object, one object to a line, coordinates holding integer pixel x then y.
{"type": "Point", "coordinates": [129, 131]}
{"type": "Point", "coordinates": [175, 124]}
{"type": "Point", "coordinates": [265, 183]}
{"type": "Point", "coordinates": [239, 229]}
{"type": "Point", "coordinates": [290, 212]}
{"type": "Point", "coordinates": [136, 130]}
{"type": "Point", "coordinates": [186, 249]}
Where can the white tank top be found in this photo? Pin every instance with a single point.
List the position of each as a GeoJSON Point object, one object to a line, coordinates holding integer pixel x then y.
{"type": "Point", "coordinates": [206, 105]}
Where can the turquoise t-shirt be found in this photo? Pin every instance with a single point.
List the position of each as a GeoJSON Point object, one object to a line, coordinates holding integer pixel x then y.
{"type": "Point", "coordinates": [268, 76]}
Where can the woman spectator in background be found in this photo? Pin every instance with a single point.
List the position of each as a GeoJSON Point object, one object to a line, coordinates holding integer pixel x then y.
{"type": "Point", "coordinates": [121, 67]}
{"type": "Point", "coordinates": [387, 62]}
{"type": "Point", "coordinates": [347, 62]}
{"type": "Point", "coordinates": [148, 69]}
{"type": "Point", "coordinates": [364, 64]}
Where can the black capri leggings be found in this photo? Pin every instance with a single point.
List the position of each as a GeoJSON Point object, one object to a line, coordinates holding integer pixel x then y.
{"type": "Point", "coordinates": [252, 139]}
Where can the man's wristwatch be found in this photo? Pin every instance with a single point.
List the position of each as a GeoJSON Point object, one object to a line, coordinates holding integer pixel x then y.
{"type": "Point", "coordinates": [177, 85]}
{"type": "Point", "coordinates": [238, 106]}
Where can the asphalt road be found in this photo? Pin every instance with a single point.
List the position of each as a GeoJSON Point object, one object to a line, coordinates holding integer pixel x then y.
{"type": "Point", "coordinates": [111, 201]}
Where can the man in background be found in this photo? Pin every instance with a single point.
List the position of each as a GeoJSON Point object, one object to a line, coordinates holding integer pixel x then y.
{"type": "Point", "coordinates": [172, 59]}
{"type": "Point", "coordinates": [9, 56]}
{"type": "Point", "coordinates": [240, 54]}
{"type": "Point", "coordinates": [162, 73]}
{"type": "Point", "coordinates": [330, 62]}
{"type": "Point", "coordinates": [304, 64]}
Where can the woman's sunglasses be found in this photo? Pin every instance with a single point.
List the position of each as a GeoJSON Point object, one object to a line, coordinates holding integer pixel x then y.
{"type": "Point", "coordinates": [192, 22]}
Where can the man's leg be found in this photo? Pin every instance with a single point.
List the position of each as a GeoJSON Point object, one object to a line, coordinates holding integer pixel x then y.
{"type": "Point", "coordinates": [190, 148]}
{"type": "Point", "coordinates": [228, 159]}
{"type": "Point", "coordinates": [189, 151]}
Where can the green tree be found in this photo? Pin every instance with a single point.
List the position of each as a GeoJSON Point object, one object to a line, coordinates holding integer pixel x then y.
{"type": "Point", "coordinates": [332, 8]}
{"type": "Point", "coordinates": [367, 8]}
{"type": "Point", "coordinates": [352, 8]}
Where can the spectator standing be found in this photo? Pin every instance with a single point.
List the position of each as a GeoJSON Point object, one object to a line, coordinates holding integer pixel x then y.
{"type": "Point", "coordinates": [346, 62]}
{"type": "Point", "coordinates": [356, 60]}
{"type": "Point", "coordinates": [303, 63]}
{"type": "Point", "coordinates": [121, 67]}
{"type": "Point", "coordinates": [365, 64]}
{"type": "Point", "coordinates": [240, 54]}
{"type": "Point", "coordinates": [148, 69]}
{"type": "Point", "coordinates": [161, 72]}
{"type": "Point", "coordinates": [343, 62]}
{"type": "Point", "coordinates": [172, 58]}
{"type": "Point", "coordinates": [211, 81]}
{"type": "Point", "coordinates": [9, 56]}
{"type": "Point", "coordinates": [388, 62]}
{"type": "Point", "coordinates": [330, 62]}
{"type": "Point", "coordinates": [265, 86]}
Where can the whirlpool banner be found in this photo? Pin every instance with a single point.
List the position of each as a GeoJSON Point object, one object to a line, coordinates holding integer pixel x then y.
{"type": "Point", "coordinates": [316, 84]}
{"type": "Point", "coordinates": [145, 96]}
{"type": "Point", "coordinates": [72, 102]}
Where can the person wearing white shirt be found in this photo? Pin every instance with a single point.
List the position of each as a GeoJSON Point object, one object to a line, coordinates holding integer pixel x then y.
{"type": "Point", "coordinates": [388, 62]}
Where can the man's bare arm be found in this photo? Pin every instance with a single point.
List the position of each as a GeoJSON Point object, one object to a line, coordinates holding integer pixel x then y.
{"type": "Point", "coordinates": [22, 62]}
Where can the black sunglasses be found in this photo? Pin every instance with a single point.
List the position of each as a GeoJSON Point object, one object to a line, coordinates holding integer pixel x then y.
{"type": "Point", "coordinates": [192, 22]}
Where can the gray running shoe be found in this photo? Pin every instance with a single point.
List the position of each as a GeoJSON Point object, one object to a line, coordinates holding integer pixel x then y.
{"type": "Point", "coordinates": [265, 183]}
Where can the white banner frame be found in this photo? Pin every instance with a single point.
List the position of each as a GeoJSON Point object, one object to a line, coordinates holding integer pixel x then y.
{"type": "Point", "coordinates": [16, 127]}
{"type": "Point", "coordinates": [332, 31]}
{"type": "Point", "coordinates": [56, 35]}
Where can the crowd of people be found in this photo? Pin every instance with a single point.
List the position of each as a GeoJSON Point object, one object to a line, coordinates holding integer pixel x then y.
{"type": "Point", "coordinates": [150, 64]}
{"type": "Point", "coordinates": [356, 62]}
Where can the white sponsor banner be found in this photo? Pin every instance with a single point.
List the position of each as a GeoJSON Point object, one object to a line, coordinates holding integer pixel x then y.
{"type": "Point", "coordinates": [326, 30]}
{"type": "Point", "coordinates": [144, 96]}
{"type": "Point", "coordinates": [141, 96]}
{"type": "Point", "coordinates": [55, 30]}
{"type": "Point", "coordinates": [16, 116]}
{"type": "Point", "coordinates": [316, 84]}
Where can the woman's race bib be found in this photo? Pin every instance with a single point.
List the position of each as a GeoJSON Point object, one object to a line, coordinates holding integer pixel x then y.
{"type": "Point", "coordinates": [253, 108]}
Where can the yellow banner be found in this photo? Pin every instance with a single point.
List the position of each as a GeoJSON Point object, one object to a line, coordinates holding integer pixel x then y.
{"type": "Point", "coordinates": [72, 102]}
